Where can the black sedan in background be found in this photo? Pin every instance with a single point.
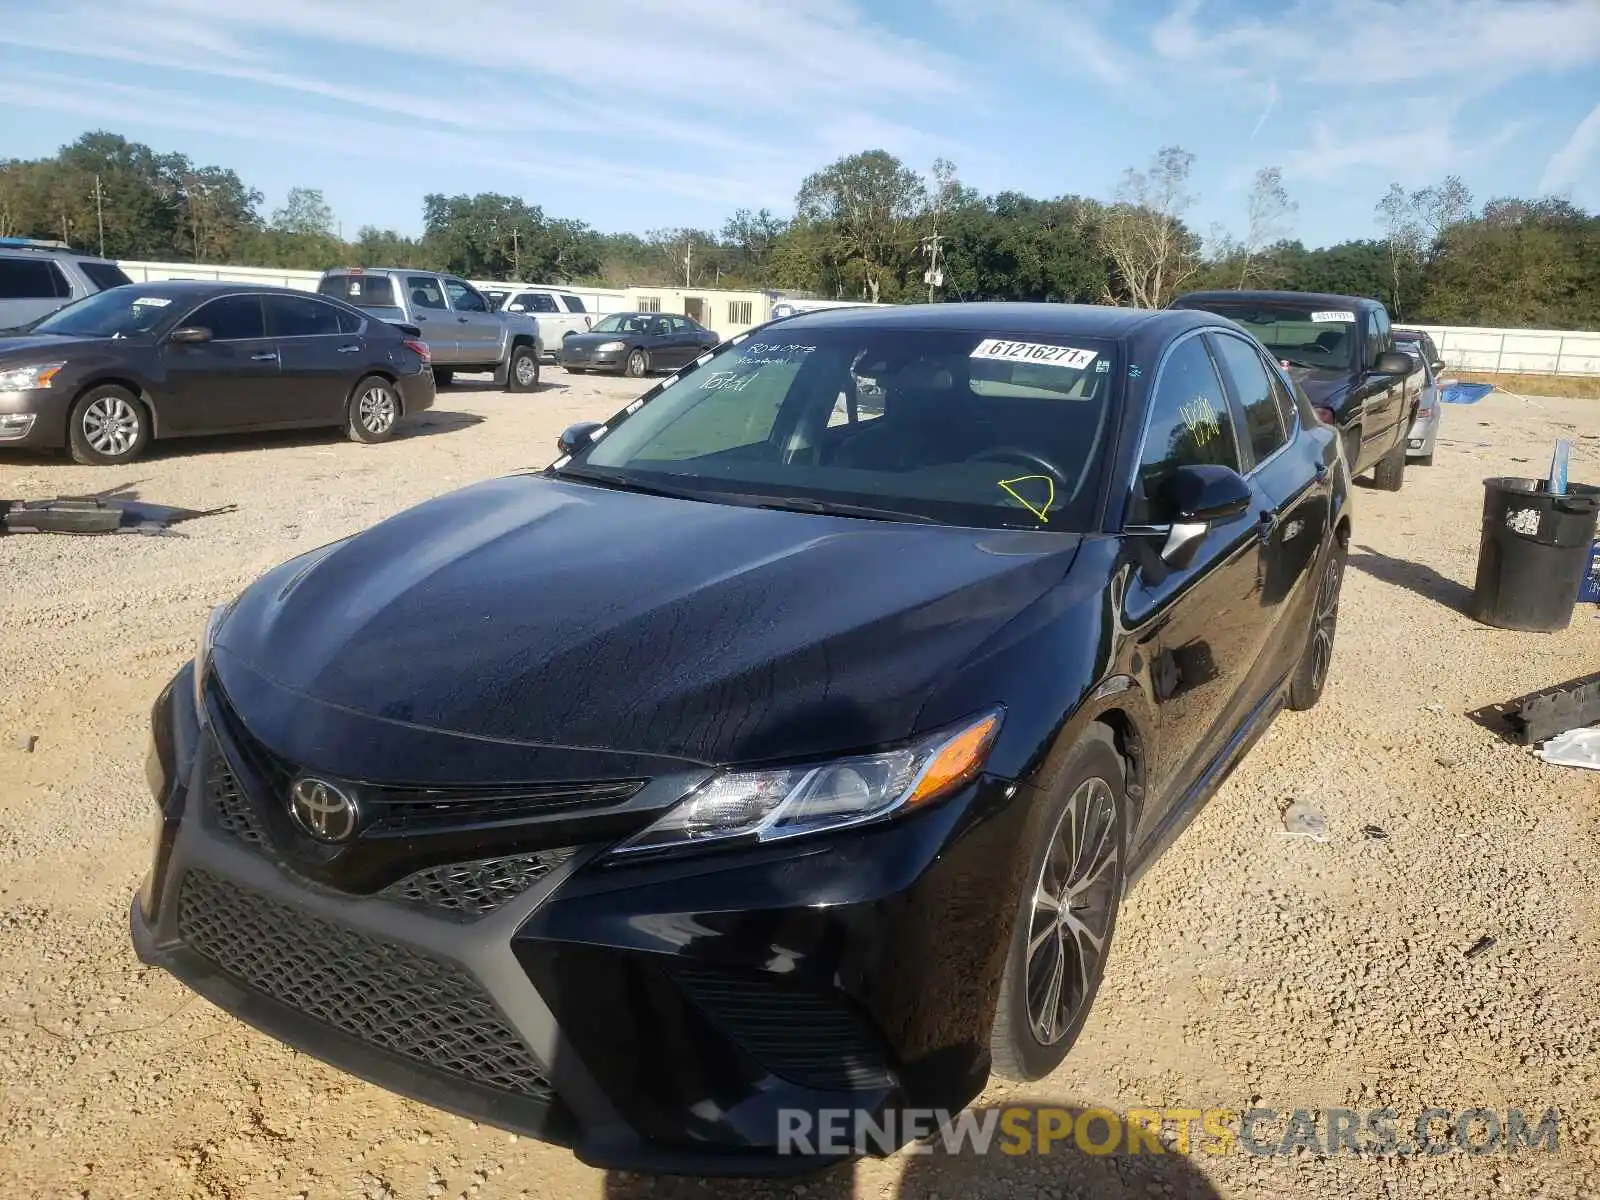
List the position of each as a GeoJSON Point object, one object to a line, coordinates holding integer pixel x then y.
{"type": "Point", "coordinates": [768, 754]}
{"type": "Point", "coordinates": [636, 344]}
{"type": "Point", "coordinates": [106, 375]}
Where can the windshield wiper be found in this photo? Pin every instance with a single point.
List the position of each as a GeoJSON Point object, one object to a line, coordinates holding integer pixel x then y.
{"type": "Point", "coordinates": [829, 508]}
{"type": "Point", "coordinates": [627, 483]}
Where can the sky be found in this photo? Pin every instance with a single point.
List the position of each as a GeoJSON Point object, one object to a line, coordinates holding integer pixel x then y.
{"type": "Point", "coordinates": [637, 114]}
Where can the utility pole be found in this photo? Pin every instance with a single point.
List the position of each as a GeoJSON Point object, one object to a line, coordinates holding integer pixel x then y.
{"type": "Point", "coordinates": [934, 278]}
{"type": "Point", "coordinates": [100, 213]}
{"type": "Point", "coordinates": [688, 259]}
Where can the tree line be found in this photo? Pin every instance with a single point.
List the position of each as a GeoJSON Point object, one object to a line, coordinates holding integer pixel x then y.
{"type": "Point", "coordinates": [865, 227]}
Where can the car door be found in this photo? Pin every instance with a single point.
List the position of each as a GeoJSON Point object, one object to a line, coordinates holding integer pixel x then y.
{"type": "Point", "coordinates": [1383, 396]}
{"type": "Point", "coordinates": [578, 313]}
{"type": "Point", "coordinates": [546, 314]}
{"type": "Point", "coordinates": [320, 357]}
{"type": "Point", "coordinates": [1292, 507]}
{"type": "Point", "coordinates": [430, 312]}
{"type": "Point", "coordinates": [478, 331]}
{"type": "Point", "coordinates": [1194, 626]}
{"type": "Point", "coordinates": [229, 382]}
{"type": "Point", "coordinates": [682, 342]}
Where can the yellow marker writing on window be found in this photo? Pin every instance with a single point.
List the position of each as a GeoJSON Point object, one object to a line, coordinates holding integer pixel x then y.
{"type": "Point", "coordinates": [1036, 507]}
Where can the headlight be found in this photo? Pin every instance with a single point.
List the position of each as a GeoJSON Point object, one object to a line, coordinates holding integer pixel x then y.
{"type": "Point", "coordinates": [604, 347]}
{"type": "Point", "coordinates": [202, 654]}
{"type": "Point", "coordinates": [765, 806]}
{"type": "Point", "coordinates": [27, 379]}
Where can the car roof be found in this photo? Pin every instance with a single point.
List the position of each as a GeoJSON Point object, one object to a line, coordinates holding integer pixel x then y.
{"type": "Point", "coordinates": [1013, 317]}
{"type": "Point", "coordinates": [199, 289]}
{"type": "Point", "coordinates": [20, 246]}
{"type": "Point", "coordinates": [1307, 299]}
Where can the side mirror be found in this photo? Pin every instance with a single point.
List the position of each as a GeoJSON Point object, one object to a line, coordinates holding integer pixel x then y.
{"type": "Point", "coordinates": [577, 436]}
{"type": "Point", "coordinates": [1438, 365]}
{"type": "Point", "coordinates": [189, 335]}
{"type": "Point", "coordinates": [1199, 496]}
{"type": "Point", "coordinates": [1394, 362]}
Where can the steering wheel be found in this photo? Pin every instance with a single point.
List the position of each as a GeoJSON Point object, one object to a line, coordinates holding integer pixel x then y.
{"type": "Point", "coordinates": [1026, 458]}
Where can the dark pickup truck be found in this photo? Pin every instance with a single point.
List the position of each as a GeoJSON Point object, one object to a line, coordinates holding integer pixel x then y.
{"type": "Point", "coordinates": [1341, 351]}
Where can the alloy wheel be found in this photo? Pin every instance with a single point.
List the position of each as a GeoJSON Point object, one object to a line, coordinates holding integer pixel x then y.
{"type": "Point", "coordinates": [377, 410]}
{"type": "Point", "coordinates": [527, 370]}
{"type": "Point", "coordinates": [1326, 619]}
{"type": "Point", "coordinates": [110, 426]}
{"type": "Point", "coordinates": [1074, 901]}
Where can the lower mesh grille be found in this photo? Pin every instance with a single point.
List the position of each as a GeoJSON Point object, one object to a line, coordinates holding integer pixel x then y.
{"type": "Point", "coordinates": [475, 888]}
{"type": "Point", "coordinates": [388, 996]}
{"type": "Point", "coordinates": [806, 1038]}
{"type": "Point", "coordinates": [228, 802]}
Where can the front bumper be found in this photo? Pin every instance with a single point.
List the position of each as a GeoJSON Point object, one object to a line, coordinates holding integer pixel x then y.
{"type": "Point", "coordinates": [46, 407]}
{"type": "Point", "coordinates": [1422, 435]}
{"type": "Point", "coordinates": [654, 1016]}
{"type": "Point", "coordinates": [611, 360]}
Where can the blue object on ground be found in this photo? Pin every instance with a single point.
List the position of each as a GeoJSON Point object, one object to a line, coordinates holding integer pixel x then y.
{"type": "Point", "coordinates": [1465, 393]}
{"type": "Point", "coordinates": [1557, 485]}
{"type": "Point", "coordinates": [1589, 586]}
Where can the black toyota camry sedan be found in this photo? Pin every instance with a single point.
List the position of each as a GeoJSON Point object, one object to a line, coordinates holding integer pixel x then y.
{"type": "Point", "coordinates": [771, 754]}
{"type": "Point", "coordinates": [104, 377]}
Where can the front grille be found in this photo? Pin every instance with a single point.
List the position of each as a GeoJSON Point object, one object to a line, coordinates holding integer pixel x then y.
{"type": "Point", "coordinates": [401, 810]}
{"type": "Point", "coordinates": [229, 805]}
{"type": "Point", "coordinates": [388, 996]}
{"type": "Point", "coordinates": [475, 888]}
{"type": "Point", "coordinates": [810, 1039]}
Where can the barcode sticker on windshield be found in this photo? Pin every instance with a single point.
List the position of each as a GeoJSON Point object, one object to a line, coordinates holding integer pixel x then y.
{"type": "Point", "coordinates": [154, 301]}
{"type": "Point", "coordinates": [1334, 316]}
{"type": "Point", "coordinates": [1034, 352]}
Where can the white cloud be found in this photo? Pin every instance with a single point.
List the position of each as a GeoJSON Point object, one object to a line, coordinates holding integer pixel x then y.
{"type": "Point", "coordinates": [1576, 156]}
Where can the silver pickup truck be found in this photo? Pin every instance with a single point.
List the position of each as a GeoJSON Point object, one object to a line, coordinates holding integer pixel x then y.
{"type": "Point", "coordinates": [462, 331]}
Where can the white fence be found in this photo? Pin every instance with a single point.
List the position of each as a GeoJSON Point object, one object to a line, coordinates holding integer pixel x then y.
{"type": "Point", "coordinates": [1502, 351]}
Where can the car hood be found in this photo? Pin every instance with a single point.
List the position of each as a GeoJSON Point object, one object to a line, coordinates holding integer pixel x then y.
{"type": "Point", "coordinates": [595, 339]}
{"type": "Point", "coordinates": [28, 347]}
{"type": "Point", "coordinates": [1322, 386]}
{"type": "Point", "coordinates": [541, 612]}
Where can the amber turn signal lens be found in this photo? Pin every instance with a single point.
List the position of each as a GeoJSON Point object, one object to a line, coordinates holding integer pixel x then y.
{"type": "Point", "coordinates": [957, 761]}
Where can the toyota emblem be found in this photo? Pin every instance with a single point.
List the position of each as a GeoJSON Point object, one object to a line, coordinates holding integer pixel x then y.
{"type": "Point", "coordinates": [322, 810]}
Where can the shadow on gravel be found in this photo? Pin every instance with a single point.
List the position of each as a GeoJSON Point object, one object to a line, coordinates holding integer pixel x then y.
{"type": "Point", "coordinates": [430, 422]}
{"type": "Point", "coordinates": [1414, 577]}
{"type": "Point", "coordinates": [468, 386]}
{"type": "Point", "coordinates": [1066, 1170]}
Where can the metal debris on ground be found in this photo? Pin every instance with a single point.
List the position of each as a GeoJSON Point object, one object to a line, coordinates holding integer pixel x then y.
{"type": "Point", "coordinates": [1374, 832]}
{"type": "Point", "coordinates": [1478, 947]}
{"type": "Point", "coordinates": [1303, 820]}
{"type": "Point", "coordinates": [25, 742]}
{"type": "Point", "coordinates": [116, 510]}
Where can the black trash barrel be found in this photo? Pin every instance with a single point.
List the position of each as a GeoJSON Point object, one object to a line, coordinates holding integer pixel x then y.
{"type": "Point", "coordinates": [1533, 553]}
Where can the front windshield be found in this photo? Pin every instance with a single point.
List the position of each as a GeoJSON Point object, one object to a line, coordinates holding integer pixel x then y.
{"type": "Point", "coordinates": [1304, 337]}
{"type": "Point", "coordinates": [964, 428]}
{"type": "Point", "coordinates": [624, 323]}
{"type": "Point", "coordinates": [121, 312]}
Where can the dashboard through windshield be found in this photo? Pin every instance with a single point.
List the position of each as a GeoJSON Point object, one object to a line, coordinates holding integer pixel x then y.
{"type": "Point", "coordinates": [964, 428]}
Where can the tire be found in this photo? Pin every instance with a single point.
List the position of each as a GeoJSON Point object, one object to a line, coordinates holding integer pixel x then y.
{"type": "Point", "coordinates": [638, 365]}
{"type": "Point", "coordinates": [1311, 674]}
{"type": "Point", "coordinates": [1390, 473]}
{"type": "Point", "coordinates": [522, 372]}
{"type": "Point", "coordinates": [108, 425]}
{"type": "Point", "coordinates": [442, 378]}
{"type": "Point", "coordinates": [373, 412]}
{"type": "Point", "coordinates": [1089, 797]}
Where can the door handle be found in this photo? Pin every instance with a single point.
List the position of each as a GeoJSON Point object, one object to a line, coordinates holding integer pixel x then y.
{"type": "Point", "coordinates": [264, 356]}
{"type": "Point", "coordinates": [349, 349]}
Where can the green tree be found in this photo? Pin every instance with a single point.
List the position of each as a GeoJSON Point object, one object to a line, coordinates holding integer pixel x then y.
{"type": "Point", "coordinates": [869, 203]}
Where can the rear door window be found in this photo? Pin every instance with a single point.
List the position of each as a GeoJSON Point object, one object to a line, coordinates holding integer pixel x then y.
{"type": "Point", "coordinates": [231, 318]}
{"type": "Point", "coordinates": [364, 291]}
{"type": "Point", "coordinates": [425, 292]}
{"type": "Point", "coordinates": [1258, 410]}
{"type": "Point", "coordinates": [573, 303]}
{"type": "Point", "coordinates": [1189, 426]}
{"type": "Point", "coordinates": [104, 275]}
{"type": "Point", "coordinates": [535, 302]}
{"type": "Point", "coordinates": [463, 298]}
{"type": "Point", "coordinates": [300, 316]}
{"type": "Point", "coordinates": [32, 279]}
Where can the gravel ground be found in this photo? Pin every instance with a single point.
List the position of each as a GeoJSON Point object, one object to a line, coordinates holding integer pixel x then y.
{"type": "Point", "coordinates": [1250, 968]}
